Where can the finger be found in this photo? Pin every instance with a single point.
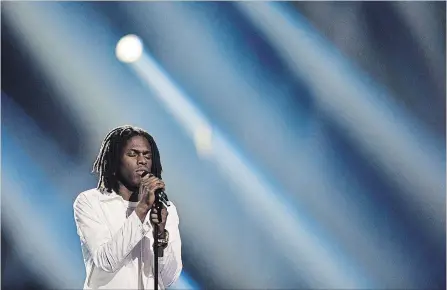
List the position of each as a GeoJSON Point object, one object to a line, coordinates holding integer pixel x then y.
{"type": "Point", "coordinates": [153, 185]}
{"type": "Point", "coordinates": [156, 186]}
{"type": "Point", "coordinates": [144, 186]}
{"type": "Point", "coordinates": [146, 177]}
{"type": "Point", "coordinates": [164, 218]}
{"type": "Point", "coordinates": [149, 177]}
{"type": "Point", "coordinates": [147, 190]}
{"type": "Point", "coordinates": [151, 180]}
{"type": "Point", "coordinates": [148, 196]}
{"type": "Point", "coordinates": [159, 185]}
{"type": "Point", "coordinates": [148, 181]}
{"type": "Point", "coordinates": [143, 193]}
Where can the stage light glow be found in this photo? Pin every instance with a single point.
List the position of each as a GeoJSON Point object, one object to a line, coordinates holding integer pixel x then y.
{"type": "Point", "coordinates": [203, 139]}
{"type": "Point", "coordinates": [129, 48]}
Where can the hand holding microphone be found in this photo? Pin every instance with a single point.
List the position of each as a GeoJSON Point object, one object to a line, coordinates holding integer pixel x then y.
{"type": "Point", "coordinates": [149, 184]}
{"type": "Point", "coordinates": [147, 191]}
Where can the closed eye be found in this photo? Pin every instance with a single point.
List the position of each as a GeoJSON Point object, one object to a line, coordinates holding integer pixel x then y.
{"type": "Point", "coordinates": [135, 153]}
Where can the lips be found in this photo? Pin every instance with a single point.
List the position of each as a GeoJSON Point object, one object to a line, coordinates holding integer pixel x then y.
{"type": "Point", "coordinates": [141, 171]}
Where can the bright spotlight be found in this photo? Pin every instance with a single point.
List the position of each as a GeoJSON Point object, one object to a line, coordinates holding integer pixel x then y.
{"type": "Point", "coordinates": [203, 139]}
{"type": "Point", "coordinates": [129, 48]}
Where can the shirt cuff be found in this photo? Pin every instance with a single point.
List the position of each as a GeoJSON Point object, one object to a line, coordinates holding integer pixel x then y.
{"type": "Point", "coordinates": [147, 226]}
{"type": "Point", "coordinates": [144, 226]}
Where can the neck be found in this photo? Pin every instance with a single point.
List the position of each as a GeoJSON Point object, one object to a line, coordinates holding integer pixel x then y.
{"type": "Point", "coordinates": [127, 193]}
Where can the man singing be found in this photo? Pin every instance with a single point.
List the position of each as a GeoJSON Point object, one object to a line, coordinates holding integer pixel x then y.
{"type": "Point", "coordinates": [116, 220]}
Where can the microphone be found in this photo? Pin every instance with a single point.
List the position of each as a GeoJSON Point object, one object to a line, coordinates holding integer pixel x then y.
{"type": "Point", "coordinates": [144, 174]}
{"type": "Point", "coordinates": [160, 197]}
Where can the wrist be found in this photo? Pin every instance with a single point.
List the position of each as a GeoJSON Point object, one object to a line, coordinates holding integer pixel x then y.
{"type": "Point", "coordinates": [163, 239]}
{"type": "Point", "coordinates": [141, 210]}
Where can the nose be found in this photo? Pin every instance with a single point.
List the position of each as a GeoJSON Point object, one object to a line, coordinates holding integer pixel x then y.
{"type": "Point", "coordinates": [141, 160]}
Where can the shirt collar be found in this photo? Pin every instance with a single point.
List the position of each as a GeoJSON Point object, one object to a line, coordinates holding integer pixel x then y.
{"type": "Point", "coordinates": [105, 195]}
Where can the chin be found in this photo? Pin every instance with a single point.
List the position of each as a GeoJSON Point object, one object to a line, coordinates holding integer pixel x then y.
{"type": "Point", "coordinates": [131, 184]}
{"type": "Point", "coordinates": [136, 181]}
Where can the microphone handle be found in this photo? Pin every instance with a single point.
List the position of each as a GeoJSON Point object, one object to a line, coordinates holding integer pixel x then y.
{"type": "Point", "coordinates": [158, 251]}
{"type": "Point", "coordinates": [157, 202]}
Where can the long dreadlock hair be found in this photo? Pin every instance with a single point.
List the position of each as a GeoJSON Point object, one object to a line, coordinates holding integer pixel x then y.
{"type": "Point", "coordinates": [109, 158]}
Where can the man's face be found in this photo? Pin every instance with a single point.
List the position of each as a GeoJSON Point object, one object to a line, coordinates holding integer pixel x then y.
{"type": "Point", "coordinates": [136, 158]}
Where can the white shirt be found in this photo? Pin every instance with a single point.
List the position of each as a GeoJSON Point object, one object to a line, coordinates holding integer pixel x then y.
{"type": "Point", "coordinates": [117, 246]}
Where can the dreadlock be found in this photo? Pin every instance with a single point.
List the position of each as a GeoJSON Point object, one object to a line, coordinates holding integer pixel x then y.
{"type": "Point", "coordinates": [108, 160]}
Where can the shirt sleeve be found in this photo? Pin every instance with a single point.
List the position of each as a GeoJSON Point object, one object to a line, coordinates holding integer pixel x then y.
{"type": "Point", "coordinates": [107, 252]}
{"type": "Point", "coordinates": [171, 262]}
